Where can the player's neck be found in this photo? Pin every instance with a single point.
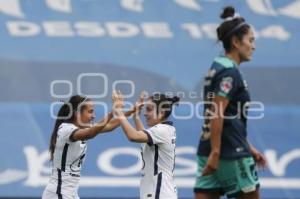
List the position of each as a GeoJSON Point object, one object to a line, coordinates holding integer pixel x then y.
{"type": "Point", "coordinates": [81, 125]}
{"type": "Point", "coordinates": [234, 56]}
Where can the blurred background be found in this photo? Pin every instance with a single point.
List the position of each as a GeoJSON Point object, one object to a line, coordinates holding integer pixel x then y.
{"type": "Point", "coordinates": [52, 49]}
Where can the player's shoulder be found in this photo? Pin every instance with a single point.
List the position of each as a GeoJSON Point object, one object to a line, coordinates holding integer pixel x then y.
{"type": "Point", "coordinates": [165, 126]}
{"type": "Point", "coordinates": [223, 64]}
{"type": "Point", "coordinates": [66, 126]}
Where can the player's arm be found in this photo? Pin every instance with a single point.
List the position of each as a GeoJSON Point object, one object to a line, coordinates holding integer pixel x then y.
{"type": "Point", "coordinates": [219, 105]}
{"type": "Point", "coordinates": [138, 123]}
{"type": "Point", "coordinates": [114, 123]}
{"type": "Point", "coordinates": [225, 87]}
{"type": "Point", "coordinates": [91, 132]}
{"type": "Point", "coordinates": [136, 116]}
{"type": "Point", "coordinates": [258, 156]}
{"type": "Point", "coordinates": [132, 134]}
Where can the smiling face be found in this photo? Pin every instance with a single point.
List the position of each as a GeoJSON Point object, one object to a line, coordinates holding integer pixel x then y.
{"type": "Point", "coordinates": [151, 116]}
{"type": "Point", "coordinates": [86, 115]}
{"type": "Point", "coordinates": [245, 46]}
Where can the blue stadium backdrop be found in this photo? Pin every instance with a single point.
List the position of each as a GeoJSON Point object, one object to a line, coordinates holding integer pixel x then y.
{"type": "Point", "coordinates": [51, 49]}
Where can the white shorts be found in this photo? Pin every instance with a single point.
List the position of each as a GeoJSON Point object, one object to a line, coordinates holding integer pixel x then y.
{"type": "Point", "coordinates": [47, 194]}
{"type": "Point", "coordinates": [66, 184]}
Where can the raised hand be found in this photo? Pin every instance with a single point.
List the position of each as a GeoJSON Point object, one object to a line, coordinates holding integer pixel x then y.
{"type": "Point", "coordinates": [139, 103]}
{"type": "Point", "coordinates": [118, 101]}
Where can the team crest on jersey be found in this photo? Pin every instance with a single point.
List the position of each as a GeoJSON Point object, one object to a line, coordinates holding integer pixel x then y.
{"type": "Point", "coordinates": [226, 84]}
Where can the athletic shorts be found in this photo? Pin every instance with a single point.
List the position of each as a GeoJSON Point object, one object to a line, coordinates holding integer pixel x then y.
{"type": "Point", "coordinates": [232, 177]}
{"type": "Point", "coordinates": [47, 194]}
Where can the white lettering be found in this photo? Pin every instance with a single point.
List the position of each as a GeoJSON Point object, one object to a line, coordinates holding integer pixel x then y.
{"type": "Point", "coordinates": [210, 30]}
{"type": "Point", "coordinates": [274, 31]}
{"type": "Point", "coordinates": [193, 30]}
{"type": "Point", "coordinates": [103, 80]}
{"type": "Point", "coordinates": [255, 107]}
{"type": "Point", "coordinates": [279, 165]}
{"type": "Point", "coordinates": [157, 30]}
{"type": "Point", "coordinates": [122, 29]}
{"type": "Point", "coordinates": [38, 170]}
{"type": "Point", "coordinates": [60, 5]}
{"type": "Point", "coordinates": [35, 164]}
{"type": "Point", "coordinates": [58, 29]}
{"type": "Point", "coordinates": [105, 161]}
{"type": "Point", "coordinates": [133, 5]}
{"type": "Point", "coordinates": [189, 113]}
{"type": "Point", "coordinates": [89, 29]}
{"type": "Point", "coordinates": [190, 4]}
{"type": "Point", "coordinates": [22, 28]}
{"type": "Point", "coordinates": [126, 30]}
{"type": "Point", "coordinates": [189, 166]}
{"type": "Point", "coordinates": [12, 8]}
{"type": "Point", "coordinates": [122, 84]}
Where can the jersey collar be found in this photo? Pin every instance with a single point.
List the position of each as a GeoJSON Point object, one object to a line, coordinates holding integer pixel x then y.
{"type": "Point", "coordinates": [226, 61]}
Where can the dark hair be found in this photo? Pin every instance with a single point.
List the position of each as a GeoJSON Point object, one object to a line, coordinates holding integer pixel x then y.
{"type": "Point", "coordinates": [229, 28]}
{"type": "Point", "coordinates": [66, 113]}
{"type": "Point", "coordinates": [164, 102]}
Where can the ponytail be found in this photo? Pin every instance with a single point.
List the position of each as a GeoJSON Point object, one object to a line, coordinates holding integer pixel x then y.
{"type": "Point", "coordinates": [66, 113]}
{"type": "Point", "coordinates": [63, 113]}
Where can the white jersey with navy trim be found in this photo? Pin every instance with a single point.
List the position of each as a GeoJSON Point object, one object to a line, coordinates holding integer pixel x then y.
{"type": "Point", "coordinates": [68, 155]}
{"type": "Point", "coordinates": [68, 158]}
{"type": "Point", "coordinates": [159, 160]}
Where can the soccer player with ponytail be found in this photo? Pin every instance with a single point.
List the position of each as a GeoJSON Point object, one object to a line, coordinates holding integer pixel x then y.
{"type": "Point", "coordinates": [68, 145]}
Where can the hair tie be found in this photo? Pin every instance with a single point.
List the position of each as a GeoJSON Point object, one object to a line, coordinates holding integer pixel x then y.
{"type": "Point", "coordinates": [236, 15]}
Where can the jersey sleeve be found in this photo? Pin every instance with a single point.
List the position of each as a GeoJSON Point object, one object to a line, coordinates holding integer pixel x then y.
{"type": "Point", "coordinates": [66, 131]}
{"type": "Point", "coordinates": [226, 83]}
{"type": "Point", "coordinates": [157, 135]}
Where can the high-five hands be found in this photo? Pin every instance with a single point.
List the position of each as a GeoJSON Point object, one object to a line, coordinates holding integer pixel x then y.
{"type": "Point", "coordinates": [118, 104]}
{"type": "Point", "coordinates": [118, 100]}
{"type": "Point", "coordinates": [139, 103]}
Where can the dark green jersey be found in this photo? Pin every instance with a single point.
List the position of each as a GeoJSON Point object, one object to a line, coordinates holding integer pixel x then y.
{"type": "Point", "coordinates": [224, 79]}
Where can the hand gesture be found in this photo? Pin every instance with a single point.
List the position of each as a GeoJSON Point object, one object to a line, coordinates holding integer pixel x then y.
{"type": "Point", "coordinates": [118, 101]}
{"type": "Point", "coordinates": [139, 103]}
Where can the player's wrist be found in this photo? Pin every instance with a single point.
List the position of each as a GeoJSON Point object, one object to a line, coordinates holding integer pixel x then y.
{"type": "Point", "coordinates": [215, 152]}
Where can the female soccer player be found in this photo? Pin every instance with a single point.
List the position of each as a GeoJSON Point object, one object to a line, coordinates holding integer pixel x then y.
{"type": "Point", "coordinates": [68, 145]}
{"type": "Point", "coordinates": [226, 160]}
{"type": "Point", "coordinates": [158, 144]}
